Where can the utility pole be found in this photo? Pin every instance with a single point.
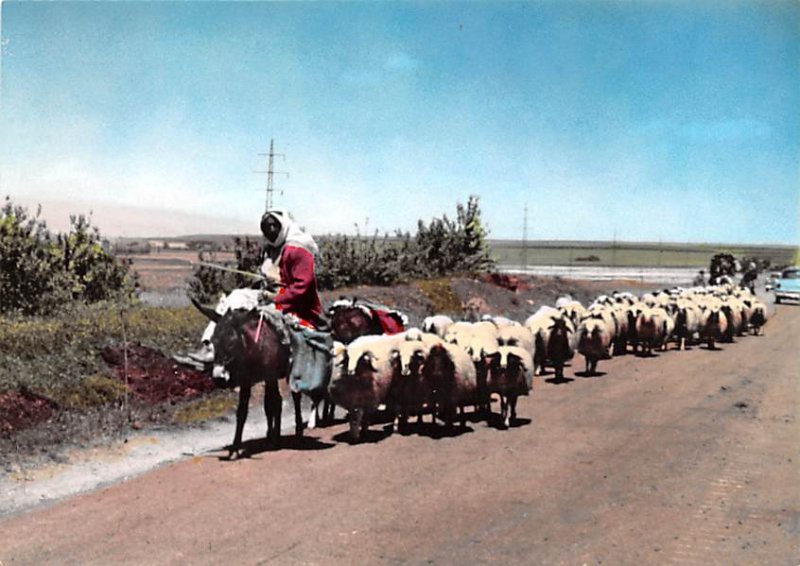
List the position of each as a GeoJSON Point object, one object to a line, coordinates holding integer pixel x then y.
{"type": "Point", "coordinates": [525, 240]}
{"type": "Point", "coordinates": [271, 173]}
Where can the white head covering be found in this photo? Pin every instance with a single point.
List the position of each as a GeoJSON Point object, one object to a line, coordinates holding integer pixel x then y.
{"type": "Point", "coordinates": [290, 233]}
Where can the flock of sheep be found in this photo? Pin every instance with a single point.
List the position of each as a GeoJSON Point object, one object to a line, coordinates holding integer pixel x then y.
{"type": "Point", "coordinates": [446, 365]}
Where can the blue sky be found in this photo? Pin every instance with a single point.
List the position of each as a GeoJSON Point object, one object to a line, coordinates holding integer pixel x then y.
{"type": "Point", "coordinates": [644, 120]}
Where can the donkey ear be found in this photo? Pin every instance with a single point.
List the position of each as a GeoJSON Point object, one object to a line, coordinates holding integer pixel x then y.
{"type": "Point", "coordinates": [208, 311]}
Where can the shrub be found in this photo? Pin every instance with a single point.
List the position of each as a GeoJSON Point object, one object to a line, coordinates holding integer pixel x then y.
{"type": "Point", "coordinates": [42, 273]}
{"type": "Point", "coordinates": [439, 248]}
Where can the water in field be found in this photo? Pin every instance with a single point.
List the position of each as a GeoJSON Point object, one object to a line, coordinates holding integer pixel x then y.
{"type": "Point", "coordinates": [672, 275]}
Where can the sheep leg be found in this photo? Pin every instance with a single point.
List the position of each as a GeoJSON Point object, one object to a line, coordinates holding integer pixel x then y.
{"type": "Point", "coordinates": [241, 417]}
{"type": "Point", "coordinates": [504, 410]}
{"type": "Point", "coordinates": [356, 416]}
{"type": "Point", "coordinates": [512, 404]}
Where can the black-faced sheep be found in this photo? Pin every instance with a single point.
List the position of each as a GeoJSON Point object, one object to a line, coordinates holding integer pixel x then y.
{"type": "Point", "coordinates": [650, 329]}
{"type": "Point", "coordinates": [451, 376]}
{"type": "Point", "coordinates": [437, 324]}
{"type": "Point", "coordinates": [594, 341]}
{"type": "Point", "coordinates": [687, 322]}
{"type": "Point", "coordinates": [362, 377]}
{"type": "Point", "coordinates": [409, 392]}
{"type": "Point", "coordinates": [510, 375]}
{"type": "Point", "coordinates": [757, 314]}
{"type": "Point", "coordinates": [713, 325]}
{"type": "Point", "coordinates": [734, 310]}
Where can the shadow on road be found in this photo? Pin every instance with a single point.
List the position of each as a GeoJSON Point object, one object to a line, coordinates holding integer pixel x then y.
{"type": "Point", "coordinates": [256, 446]}
{"type": "Point", "coordinates": [496, 422]}
{"type": "Point", "coordinates": [558, 381]}
{"type": "Point", "coordinates": [369, 436]}
{"type": "Point", "coordinates": [590, 373]}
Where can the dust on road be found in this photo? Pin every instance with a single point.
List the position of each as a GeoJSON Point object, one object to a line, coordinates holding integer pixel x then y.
{"type": "Point", "coordinates": [688, 457]}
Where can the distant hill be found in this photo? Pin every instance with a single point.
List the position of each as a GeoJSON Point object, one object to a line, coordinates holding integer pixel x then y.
{"type": "Point", "coordinates": [134, 222]}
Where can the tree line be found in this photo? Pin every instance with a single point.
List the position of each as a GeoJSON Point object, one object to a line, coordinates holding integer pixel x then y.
{"type": "Point", "coordinates": [42, 272]}
{"type": "Point", "coordinates": [443, 246]}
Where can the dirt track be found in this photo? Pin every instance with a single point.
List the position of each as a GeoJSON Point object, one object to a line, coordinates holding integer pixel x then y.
{"type": "Point", "coordinates": [689, 457]}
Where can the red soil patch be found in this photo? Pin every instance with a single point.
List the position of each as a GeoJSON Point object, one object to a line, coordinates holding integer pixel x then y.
{"type": "Point", "coordinates": [153, 377]}
{"type": "Point", "coordinates": [506, 281]}
{"type": "Point", "coordinates": [22, 409]}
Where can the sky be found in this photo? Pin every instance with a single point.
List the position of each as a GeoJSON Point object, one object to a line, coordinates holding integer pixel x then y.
{"type": "Point", "coordinates": [639, 120]}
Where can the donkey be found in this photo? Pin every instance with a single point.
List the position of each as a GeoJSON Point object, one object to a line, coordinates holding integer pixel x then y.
{"type": "Point", "coordinates": [251, 349]}
{"type": "Point", "coordinates": [350, 321]}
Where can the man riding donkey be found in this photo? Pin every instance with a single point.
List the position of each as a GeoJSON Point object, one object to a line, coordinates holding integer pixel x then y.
{"type": "Point", "coordinates": [272, 333]}
{"type": "Point", "coordinates": [289, 266]}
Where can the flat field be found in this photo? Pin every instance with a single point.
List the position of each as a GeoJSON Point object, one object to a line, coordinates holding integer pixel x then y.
{"type": "Point", "coordinates": [628, 254]}
{"type": "Point", "coordinates": [168, 271]}
{"type": "Point", "coordinates": [165, 271]}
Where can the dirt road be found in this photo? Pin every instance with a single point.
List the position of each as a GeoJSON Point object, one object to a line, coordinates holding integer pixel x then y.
{"type": "Point", "coordinates": [689, 458]}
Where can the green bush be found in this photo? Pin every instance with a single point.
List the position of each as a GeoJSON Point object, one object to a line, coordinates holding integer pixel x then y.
{"type": "Point", "coordinates": [439, 248]}
{"type": "Point", "coordinates": [41, 273]}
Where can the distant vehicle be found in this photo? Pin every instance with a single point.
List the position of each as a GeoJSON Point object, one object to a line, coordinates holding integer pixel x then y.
{"type": "Point", "coordinates": [788, 285]}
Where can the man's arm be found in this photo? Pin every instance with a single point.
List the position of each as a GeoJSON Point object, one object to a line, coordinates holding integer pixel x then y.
{"type": "Point", "coordinates": [299, 266]}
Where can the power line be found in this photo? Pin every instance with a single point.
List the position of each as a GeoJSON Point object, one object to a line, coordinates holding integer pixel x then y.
{"type": "Point", "coordinates": [271, 173]}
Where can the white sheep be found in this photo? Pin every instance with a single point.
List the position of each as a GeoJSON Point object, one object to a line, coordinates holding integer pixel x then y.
{"type": "Point", "coordinates": [437, 324]}
{"type": "Point", "coordinates": [595, 341]}
{"type": "Point", "coordinates": [362, 378]}
{"type": "Point", "coordinates": [499, 321]}
{"type": "Point", "coordinates": [756, 314]}
{"type": "Point", "coordinates": [713, 325]}
{"type": "Point", "coordinates": [510, 375]}
{"type": "Point", "coordinates": [573, 309]}
{"type": "Point", "coordinates": [554, 336]}
{"type": "Point", "coordinates": [687, 321]}
{"type": "Point", "coordinates": [409, 392]}
{"type": "Point", "coordinates": [417, 335]}
{"type": "Point", "coordinates": [452, 378]}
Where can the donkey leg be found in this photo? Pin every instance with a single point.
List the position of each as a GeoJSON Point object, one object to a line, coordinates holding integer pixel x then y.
{"type": "Point", "coordinates": [312, 418]}
{"type": "Point", "coordinates": [273, 406]}
{"type": "Point", "coordinates": [241, 417]}
{"type": "Point", "coordinates": [328, 411]}
{"type": "Point", "coordinates": [298, 413]}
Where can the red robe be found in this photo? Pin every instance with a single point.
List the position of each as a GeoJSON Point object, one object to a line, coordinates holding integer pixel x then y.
{"type": "Point", "coordinates": [298, 295]}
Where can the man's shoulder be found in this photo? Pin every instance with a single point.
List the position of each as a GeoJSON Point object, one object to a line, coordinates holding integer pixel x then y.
{"type": "Point", "coordinates": [295, 250]}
